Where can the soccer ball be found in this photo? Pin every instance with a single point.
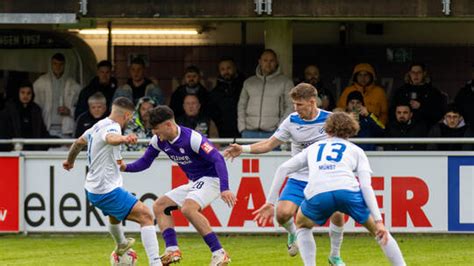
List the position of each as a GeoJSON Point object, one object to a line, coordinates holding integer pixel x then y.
{"type": "Point", "coordinates": [128, 259]}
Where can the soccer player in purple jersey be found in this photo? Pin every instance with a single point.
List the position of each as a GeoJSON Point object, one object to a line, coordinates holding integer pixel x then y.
{"type": "Point", "coordinates": [205, 168]}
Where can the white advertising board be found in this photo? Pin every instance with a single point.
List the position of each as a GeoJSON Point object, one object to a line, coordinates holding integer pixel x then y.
{"type": "Point", "coordinates": [415, 193]}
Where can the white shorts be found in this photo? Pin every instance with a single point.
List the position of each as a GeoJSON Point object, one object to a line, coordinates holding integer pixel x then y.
{"type": "Point", "coordinates": [203, 191]}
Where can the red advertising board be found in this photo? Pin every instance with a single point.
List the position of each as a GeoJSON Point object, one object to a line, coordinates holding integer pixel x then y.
{"type": "Point", "coordinates": [9, 194]}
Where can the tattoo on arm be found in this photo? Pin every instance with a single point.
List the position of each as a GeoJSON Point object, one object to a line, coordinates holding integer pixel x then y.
{"type": "Point", "coordinates": [74, 151]}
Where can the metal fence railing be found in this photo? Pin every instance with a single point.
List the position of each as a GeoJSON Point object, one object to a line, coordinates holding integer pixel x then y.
{"type": "Point", "coordinates": [19, 143]}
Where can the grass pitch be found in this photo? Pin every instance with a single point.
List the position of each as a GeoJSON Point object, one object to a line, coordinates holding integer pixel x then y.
{"type": "Point", "coordinates": [357, 249]}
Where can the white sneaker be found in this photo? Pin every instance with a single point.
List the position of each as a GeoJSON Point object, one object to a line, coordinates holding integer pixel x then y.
{"type": "Point", "coordinates": [220, 258]}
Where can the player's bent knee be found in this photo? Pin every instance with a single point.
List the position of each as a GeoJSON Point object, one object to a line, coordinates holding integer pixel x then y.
{"type": "Point", "coordinates": [189, 208]}
{"type": "Point", "coordinates": [160, 205]}
{"type": "Point", "coordinates": [284, 216]}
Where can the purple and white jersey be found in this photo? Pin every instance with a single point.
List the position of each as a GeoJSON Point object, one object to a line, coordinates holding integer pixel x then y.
{"type": "Point", "coordinates": [191, 151]}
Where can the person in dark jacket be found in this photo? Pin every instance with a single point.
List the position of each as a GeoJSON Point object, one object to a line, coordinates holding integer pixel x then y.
{"type": "Point", "coordinates": [103, 82]}
{"type": "Point", "coordinates": [223, 99]}
{"type": "Point", "coordinates": [313, 77]}
{"type": "Point", "coordinates": [465, 99]}
{"type": "Point", "coordinates": [97, 111]}
{"type": "Point", "coordinates": [428, 103]}
{"type": "Point", "coordinates": [22, 118]}
{"type": "Point", "coordinates": [405, 126]}
{"type": "Point", "coordinates": [192, 85]}
{"type": "Point", "coordinates": [370, 125]}
{"type": "Point", "coordinates": [452, 126]}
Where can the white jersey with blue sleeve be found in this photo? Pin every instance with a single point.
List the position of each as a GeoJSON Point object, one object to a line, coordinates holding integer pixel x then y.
{"type": "Point", "coordinates": [332, 166]}
{"type": "Point", "coordinates": [104, 172]}
{"type": "Point", "coordinates": [302, 133]}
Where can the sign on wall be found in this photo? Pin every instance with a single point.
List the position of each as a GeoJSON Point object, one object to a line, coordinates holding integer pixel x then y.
{"type": "Point", "coordinates": [415, 194]}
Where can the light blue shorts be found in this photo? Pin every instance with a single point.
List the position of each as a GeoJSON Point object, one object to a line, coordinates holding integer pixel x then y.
{"type": "Point", "coordinates": [320, 207]}
{"type": "Point", "coordinates": [293, 191]}
{"type": "Point", "coordinates": [117, 203]}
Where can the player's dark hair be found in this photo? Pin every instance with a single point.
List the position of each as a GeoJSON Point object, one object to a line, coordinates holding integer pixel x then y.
{"type": "Point", "coordinates": [160, 114]}
{"type": "Point", "coordinates": [124, 103]}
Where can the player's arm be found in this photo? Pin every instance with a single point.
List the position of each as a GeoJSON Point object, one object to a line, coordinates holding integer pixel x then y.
{"type": "Point", "coordinates": [265, 213]}
{"type": "Point", "coordinates": [208, 152]}
{"type": "Point", "coordinates": [365, 179]}
{"type": "Point", "coordinates": [369, 195]}
{"type": "Point", "coordinates": [263, 146]}
{"type": "Point", "coordinates": [76, 147]}
{"type": "Point", "coordinates": [116, 139]}
{"type": "Point", "coordinates": [143, 163]}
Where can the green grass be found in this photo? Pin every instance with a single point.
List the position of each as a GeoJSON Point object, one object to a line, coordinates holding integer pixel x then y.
{"type": "Point", "coordinates": [358, 249]}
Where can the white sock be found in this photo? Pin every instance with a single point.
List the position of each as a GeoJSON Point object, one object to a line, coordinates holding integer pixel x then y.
{"type": "Point", "coordinates": [392, 251]}
{"type": "Point", "coordinates": [172, 248]}
{"type": "Point", "coordinates": [307, 246]}
{"type": "Point", "coordinates": [117, 233]}
{"type": "Point", "coordinates": [336, 235]}
{"type": "Point", "coordinates": [290, 226]}
{"type": "Point", "coordinates": [219, 251]}
{"type": "Point", "coordinates": [150, 243]}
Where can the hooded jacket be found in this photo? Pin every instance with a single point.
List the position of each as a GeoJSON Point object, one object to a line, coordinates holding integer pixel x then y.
{"type": "Point", "coordinates": [44, 97]}
{"type": "Point", "coordinates": [264, 101]}
{"type": "Point", "coordinates": [138, 127]}
{"type": "Point", "coordinates": [374, 96]}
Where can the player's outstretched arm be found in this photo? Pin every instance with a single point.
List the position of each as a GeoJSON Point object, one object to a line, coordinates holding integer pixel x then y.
{"type": "Point", "coordinates": [263, 146]}
{"type": "Point", "coordinates": [76, 147]}
{"type": "Point", "coordinates": [116, 139]}
{"type": "Point", "coordinates": [266, 212]}
{"type": "Point", "coordinates": [143, 163]}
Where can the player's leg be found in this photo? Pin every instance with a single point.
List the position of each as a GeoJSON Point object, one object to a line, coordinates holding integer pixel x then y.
{"type": "Point", "coordinates": [285, 212]}
{"type": "Point", "coordinates": [305, 239]}
{"type": "Point", "coordinates": [390, 249]}
{"type": "Point", "coordinates": [203, 192]}
{"type": "Point", "coordinates": [336, 229]}
{"type": "Point", "coordinates": [290, 199]}
{"type": "Point", "coordinates": [116, 231]}
{"type": "Point", "coordinates": [141, 214]}
{"type": "Point", "coordinates": [354, 205]}
{"type": "Point", "coordinates": [162, 209]}
{"type": "Point", "coordinates": [316, 210]}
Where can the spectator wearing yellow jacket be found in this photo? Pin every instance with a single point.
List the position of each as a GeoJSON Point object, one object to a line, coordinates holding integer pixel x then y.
{"type": "Point", "coordinates": [375, 99]}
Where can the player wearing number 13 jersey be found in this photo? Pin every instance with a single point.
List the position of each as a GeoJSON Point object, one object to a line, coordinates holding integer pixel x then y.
{"type": "Point", "coordinates": [332, 186]}
{"type": "Point", "coordinates": [205, 168]}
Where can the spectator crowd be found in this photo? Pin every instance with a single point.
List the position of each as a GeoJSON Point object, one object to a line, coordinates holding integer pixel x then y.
{"type": "Point", "coordinates": [55, 106]}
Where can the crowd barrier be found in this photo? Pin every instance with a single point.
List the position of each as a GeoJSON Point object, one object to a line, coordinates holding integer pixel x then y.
{"type": "Point", "coordinates": [416, 192]}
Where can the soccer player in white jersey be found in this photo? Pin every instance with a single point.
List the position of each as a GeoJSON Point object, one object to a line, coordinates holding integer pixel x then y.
{"type": "Point", "coordinates": [104, 182]}
{"type": "Point", "coordinates": [303, 128]}
{"type": "Point", "coordinates": [333, 186]}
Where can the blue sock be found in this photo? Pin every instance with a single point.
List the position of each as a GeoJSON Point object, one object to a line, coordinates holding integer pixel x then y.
{"type": "Point", "coordinates": [212, 241]}
{"type": "Point", "coordinates": [169, 235]}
